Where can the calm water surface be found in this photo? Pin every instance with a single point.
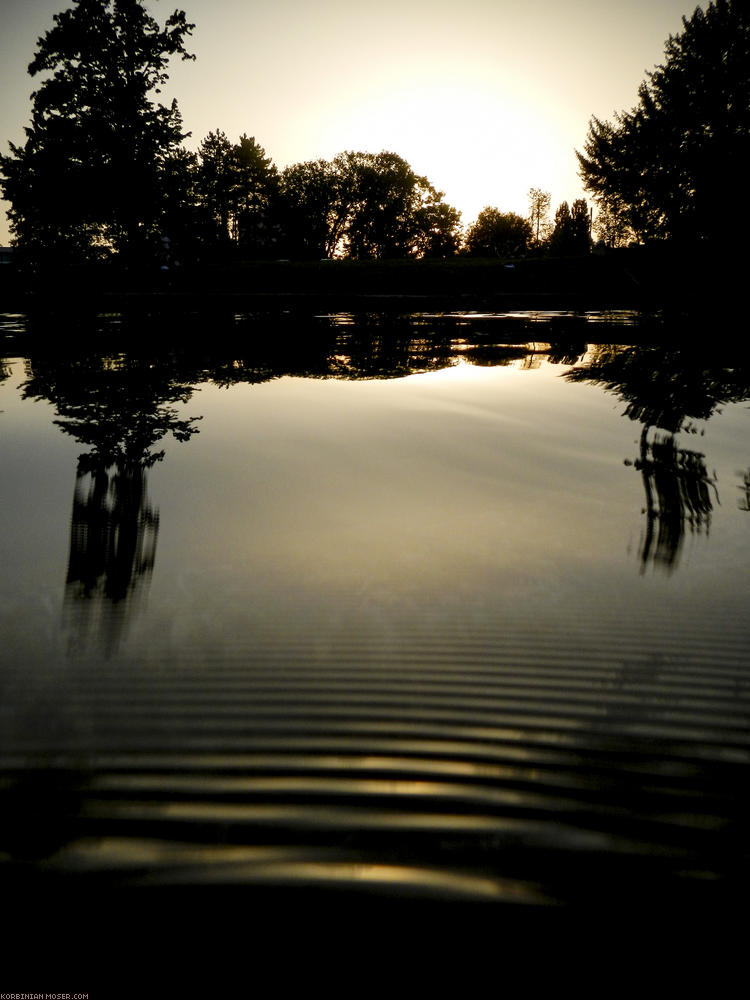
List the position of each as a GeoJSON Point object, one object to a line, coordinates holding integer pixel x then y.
{"type": "Point", "coordinates": [388, 606]}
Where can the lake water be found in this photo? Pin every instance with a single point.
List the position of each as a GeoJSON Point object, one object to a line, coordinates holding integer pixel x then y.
{"type": "Point", "coordinates": [429, 607]}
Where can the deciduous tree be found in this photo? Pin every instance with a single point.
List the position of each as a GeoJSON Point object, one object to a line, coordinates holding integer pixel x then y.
{"type": "Point", "coordinates": [539, 203]}
{"type": "Point", "coordinates": [392, 211]}
{"type": "Point", "coordinates": [665, 167]}
{"type": "Point", "coordinates": [309, 210]}
{"type": "Point", "coordinates": [572, 233]}
{"type": "Point", "coordinates": [498, 234]}
{"type": "Point", "coordinates": [364, 205]}
{"type": "Point", "coordinates": [89, 178]}
{"type": "Point", "coordinates": [610, 228]}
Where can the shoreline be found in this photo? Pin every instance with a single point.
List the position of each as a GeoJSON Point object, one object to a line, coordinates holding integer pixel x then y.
{"type": "Point", "coordinates": [644, 279]}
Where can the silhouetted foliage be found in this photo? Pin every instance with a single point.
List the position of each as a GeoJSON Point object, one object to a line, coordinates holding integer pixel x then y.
{"type": "Point", "coordinates": [539, 203]}
{"type": "Point", "coordinates": [394, 212]}
{"type": "Point", "coordinates": [311, 210]}
{"type": "Point", "coordinates": [214, 189]}
{"type": "Point", "coordinates": [665, 167]}
{"type": "Point", "coordinates": [257, 185]}
{"type": "Point", "coordinates": [90, 178]}
{"type": "Point", "coordinates": [235, 187]}
{"type": "Point", "coordinates": [180, 222]}
{"type": "Point", "coordinates": [571, 234]}
{"type": "Point", "coordinates": [611, 229]}
{"type": "Point", "coordinates": [498, 234]}
{"type": "Point", "coordinates": [363, 206]}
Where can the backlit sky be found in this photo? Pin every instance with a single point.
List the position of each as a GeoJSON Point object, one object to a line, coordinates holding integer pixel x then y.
{"type": "Point", "coordinates": [487, 98]}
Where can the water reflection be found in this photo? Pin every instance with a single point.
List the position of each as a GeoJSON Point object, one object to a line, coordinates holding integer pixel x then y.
{"type": "Point", "coordinates": [121, 405]}
{"type": "Point", "coordinates": [679, 497]}
{"type": "Point", "coordinates": [744, 502]}
{"type": "Point", "coordinates": [393, 640]}
{"type": "Point", "coordinates": [120, 408]}
{"type": "Point", "coordinates": [113, 537]}
{"type": "Point", "coordinates": [667, 389]}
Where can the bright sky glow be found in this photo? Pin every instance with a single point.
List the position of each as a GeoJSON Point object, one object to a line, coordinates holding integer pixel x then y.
{"type": "Point", "coordinates": [487, 98]}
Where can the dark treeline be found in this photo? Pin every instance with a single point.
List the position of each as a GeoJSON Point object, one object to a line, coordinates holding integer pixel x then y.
{"type": "Point", "coordinates": [104, 174]}
{"type": "Point", "coordinates": [233, 201]}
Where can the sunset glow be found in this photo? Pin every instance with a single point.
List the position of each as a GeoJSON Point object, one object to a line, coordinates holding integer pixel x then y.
{"type": "Point", "coordinates": [487, 99]}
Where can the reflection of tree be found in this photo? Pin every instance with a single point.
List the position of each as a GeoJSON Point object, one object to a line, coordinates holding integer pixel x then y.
{"type": "Point", "coordinates": [678, 496]}
{"type": "Point", "coordinates": [493, 355]}
{"type": "Point", "coordinates": [121, 405]}
{"type": "Point", "coordinates": [374, 346]}
{"type": "Point", "coordinates": [668, 388]}
{"type": "Point", "coordinates": [120, 408]}
{"type": "Point", "coordinates": [744, 501]}
{"type": "Point", "coordinates": [112, 549]}
{"type": "Point", "coordinates": [566, 354]}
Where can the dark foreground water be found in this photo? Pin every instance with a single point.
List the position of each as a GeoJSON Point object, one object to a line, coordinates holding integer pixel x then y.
{"type": "Point", "coordinates": [390, 607]}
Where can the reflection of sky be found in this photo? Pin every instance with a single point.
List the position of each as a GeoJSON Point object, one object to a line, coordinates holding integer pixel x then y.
{"type": "Point", "coordinates": [486, 491]}
{"type": "Point", "coordinates": [475, 495]}
{"type": "Point", "coordinates": [38, 473]}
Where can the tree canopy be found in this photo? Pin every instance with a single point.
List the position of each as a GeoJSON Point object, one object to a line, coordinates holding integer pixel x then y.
{"type": "Point", "coordinates": [572, 233]}
{"type": "Point", "coordinates": [235, 187]}
{"type": "Point", "coordinates": [90, 177]}
{"type": "Point", "coordinates": [664, 168]}
{"type": "Point", "coordinates": [498, 234]}
{"type": "Point", "coordinates": [364, 206]}
{"type": "Point", "coordinates": [539, 203]}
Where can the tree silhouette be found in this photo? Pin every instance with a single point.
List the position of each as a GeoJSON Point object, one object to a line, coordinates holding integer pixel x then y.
{"type": "Point", "coordinates": [311, 210]}
{"type": "Point", "coordinates": [393, 212]}
{"type": "Point", "coordinates": [610, 228]}
{"type": "Point", "coordinates": [215, 188]}
{"type": "Point", "coordinates": [498, 234]}
{"type": "Point", "coordinates": [89, 179]}
{"type": "Point", "coordinates": [571, 234]}
{"type": "Point", "coordinates": [363, 206]}
{"type": "Point", "coordinates": [257, 183]}
{"type": "Point", "coordinates": [539, 203]}
{"type": "Point", "coordinates": [235, 188]}
{"type": "Point", "coordinates": [665, 167]}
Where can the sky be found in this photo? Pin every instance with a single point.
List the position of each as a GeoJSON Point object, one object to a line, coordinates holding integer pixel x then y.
{"type": "Point", "coordinates": [486, 98]}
